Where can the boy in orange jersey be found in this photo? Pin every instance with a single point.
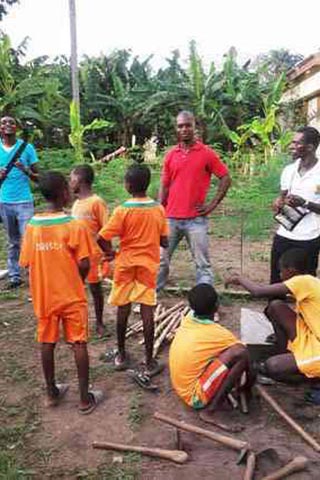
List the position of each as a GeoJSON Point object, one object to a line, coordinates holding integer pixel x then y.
{"type": "Point", "coordinates": [206, 360]}
{"type": "Point", "coordinates": [141, 225]}
{"type": "Point", "coordinates": [56, 248]}
{"type": "Point", "coordinates": [93, 211]}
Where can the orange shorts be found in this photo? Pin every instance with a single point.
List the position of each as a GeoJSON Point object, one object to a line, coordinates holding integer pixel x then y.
{"type": "Point", "coordinates": [74, 320]}
{"type": "Point", "coordinates": [209, 383]}
{"type": "Point", "coordinates": [133, 285]}
{"type": "Point", "coordinates": [99, 269]}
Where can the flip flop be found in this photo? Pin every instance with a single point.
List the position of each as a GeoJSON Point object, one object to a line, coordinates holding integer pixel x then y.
{"type": "Point", "coordinates": [157, 368]}
{"type": "Point", "coordinates": [96, 397]}
{"type": "Point", "coordinates": [54, 401]}
{"type": "Point", "coordinates": [143, 380]}
{"type": "Point", "coordinates": [109, 356]}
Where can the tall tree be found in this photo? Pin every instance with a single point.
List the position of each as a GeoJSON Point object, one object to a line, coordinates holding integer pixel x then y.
{"type": "Point", "coordinates": [4, 4]}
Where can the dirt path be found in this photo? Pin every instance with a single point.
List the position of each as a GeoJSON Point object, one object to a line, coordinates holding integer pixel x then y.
{"type": "Point", "coordinates": [56, 443]}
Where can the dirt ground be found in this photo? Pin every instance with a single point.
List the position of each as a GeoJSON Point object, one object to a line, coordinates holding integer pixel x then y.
{"type": "Point", "coordinates": [57, 443]}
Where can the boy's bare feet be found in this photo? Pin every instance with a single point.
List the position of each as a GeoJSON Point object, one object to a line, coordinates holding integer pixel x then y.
{"type": "Point", "coordinates": [100, 329]}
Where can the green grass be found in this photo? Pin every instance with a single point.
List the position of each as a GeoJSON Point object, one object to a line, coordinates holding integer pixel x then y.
{"type": "Point", "coordinates": [127, 470]}
{"type": "Point", "coordinates": [135, 414]}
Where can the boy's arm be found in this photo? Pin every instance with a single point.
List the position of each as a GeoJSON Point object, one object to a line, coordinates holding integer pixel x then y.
{"type": "Point", "coordinates": [26, 248]}
{"type": "Point", "coordinates": [84, 267]}
{"type": "Point", "coordinates": [256, 290]}
{"type": "Point", "coordinates": [164, 242]}
{"type": "Point", "coordinates": [106, 247]}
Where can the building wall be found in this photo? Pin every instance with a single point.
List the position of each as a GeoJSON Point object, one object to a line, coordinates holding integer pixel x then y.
{"type": "Point", "coordinates": [308, 87]}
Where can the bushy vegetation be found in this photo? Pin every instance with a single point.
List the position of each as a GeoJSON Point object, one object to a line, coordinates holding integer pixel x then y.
{"type": "Point", "coordinates": [236, 106]}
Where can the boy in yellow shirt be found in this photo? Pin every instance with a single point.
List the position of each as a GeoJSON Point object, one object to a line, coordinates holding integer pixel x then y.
{"type": "Point", "coordinates": [206, 360]}
{"type": "Point", "coordinates": [56, 248]}
{"type": "Point", "coordinates": [93, 211]}
{"type": "Point", "coordinates": [297, 331]}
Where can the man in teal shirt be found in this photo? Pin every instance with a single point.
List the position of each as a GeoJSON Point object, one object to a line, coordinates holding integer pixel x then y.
{"type": "Point", "coordinates": [16, 201]}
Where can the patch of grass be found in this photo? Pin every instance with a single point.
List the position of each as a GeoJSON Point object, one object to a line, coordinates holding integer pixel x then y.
{"type": "Point", "coordinates": [135, 414]}
{"type": "Point", "coordinates": [260, 256]}
{"type": "Point", "coordinates": [128, 470]}
{"type": "Point", "coordinates": [15, 371]}
{"type": "Point", "coordinates": [14, 436]}
{"type": "Point", "coordinates": [9, 470]}
{"type": "Point", "coordinates": [98, 371]}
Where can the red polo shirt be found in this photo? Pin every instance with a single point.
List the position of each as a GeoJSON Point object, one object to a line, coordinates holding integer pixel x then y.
{"type": "Point", "coordinates": [187, 174]}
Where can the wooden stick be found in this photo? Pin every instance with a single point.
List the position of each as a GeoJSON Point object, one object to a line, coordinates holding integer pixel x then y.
{"type": "Point", "coordinates": [310, 440]}
{"type": "Point", "coordinates": [178, 456]}
{"type": "Point", "coordinates": [160, 327]}
{"type": "Point", "coordinates": [230, 442]}
{"type": "Point", "coordinates": [296, 465]}
{"type": "Point", "coordinates": [162, 336]}
{"type": "Point", "coordinates": [135, 328]}
{"type": "Point", "coordinates": [177, 306]}
{"type": "Point", "coordinates": [250, 467]}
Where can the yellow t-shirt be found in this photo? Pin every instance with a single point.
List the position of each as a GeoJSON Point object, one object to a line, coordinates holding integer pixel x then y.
{"type": "Point", "coordinates": [196, 343]}
{"type": "Point", "coordinates": [306, 291]}
{"type": "Point", "coordinates": [306, 346]}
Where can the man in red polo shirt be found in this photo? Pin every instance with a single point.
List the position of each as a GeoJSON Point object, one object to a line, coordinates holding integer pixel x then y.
{"type": "Point", "coordinates": [186, 178]}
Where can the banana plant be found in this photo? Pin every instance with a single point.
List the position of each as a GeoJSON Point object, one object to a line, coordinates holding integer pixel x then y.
{"type": "Point", "coordinates": [76, 136]}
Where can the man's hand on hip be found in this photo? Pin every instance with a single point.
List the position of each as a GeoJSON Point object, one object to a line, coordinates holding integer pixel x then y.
{"type": "Point", "coordinates": [205, 209]}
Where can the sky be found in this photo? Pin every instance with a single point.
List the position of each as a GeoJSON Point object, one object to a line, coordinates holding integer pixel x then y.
{"type": "Point", "coordinates": [150, 27]}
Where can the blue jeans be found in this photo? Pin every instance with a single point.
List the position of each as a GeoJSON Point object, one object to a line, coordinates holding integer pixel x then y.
{"type": "Point", "coordinates": [195, 230]}
{"type": "Point", "coordinates": [15, 217]}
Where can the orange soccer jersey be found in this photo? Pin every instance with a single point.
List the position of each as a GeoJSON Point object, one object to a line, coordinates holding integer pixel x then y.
{"type": "Point", "coordinates": [52, 247]}
{"type": "Point", "coordinates": [93, 211]}
{"type": "Point", "coordinates": [139, 223]}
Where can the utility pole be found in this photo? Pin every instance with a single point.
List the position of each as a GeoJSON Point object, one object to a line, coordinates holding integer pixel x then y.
{"type": "Point", "coordinates": [74, 56]}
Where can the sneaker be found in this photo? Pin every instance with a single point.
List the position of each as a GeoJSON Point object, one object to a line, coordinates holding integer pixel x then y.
{"type": "Point", "coordinates": [13, 284]}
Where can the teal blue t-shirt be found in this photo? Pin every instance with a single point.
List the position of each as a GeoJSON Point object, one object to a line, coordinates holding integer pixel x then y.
{"type": "Point", "coordinates": [16, 187]}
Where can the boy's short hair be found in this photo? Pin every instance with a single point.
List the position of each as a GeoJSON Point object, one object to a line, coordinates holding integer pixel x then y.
{"type": "Point", "coordinates": [52, 184]}
{"type": "Point", "coordinates": [295, 258]}
{"type": "Point", "coordinates": [138, 177]}
{"type": "Point", "coordinates": [85, 172]}
{"type": "Point", "coordinates": [203, 299]}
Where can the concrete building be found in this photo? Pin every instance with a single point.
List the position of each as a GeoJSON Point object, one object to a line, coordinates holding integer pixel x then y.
{"type": "Point", "coordinates": [304, 89]}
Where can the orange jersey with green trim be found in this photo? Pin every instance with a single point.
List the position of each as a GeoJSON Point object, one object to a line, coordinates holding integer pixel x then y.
{"type": "Point", "coordinates": [139, 223]}
{"type": "Point", "coordinates": [93, 211]}
{"type": "Point", "coordinates": [196, 343]}
{"type": "Point", "coordinates": [52, 247]}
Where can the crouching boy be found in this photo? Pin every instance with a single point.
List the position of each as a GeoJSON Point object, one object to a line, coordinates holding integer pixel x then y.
{"type": "Point", "coordinates": [206, 360]}
{"type": "Point", "coordinates": [297, 330]}
{"type": "Point", "coordinates": [56, 248]}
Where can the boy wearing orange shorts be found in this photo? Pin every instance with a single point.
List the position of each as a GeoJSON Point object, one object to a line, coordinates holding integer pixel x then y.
{"type": "Point", "coordinates": [206, 360]}
{"type": "Point", "coordinates": [93, 211]}
{"type": "Point", "coordinates": [56, 249]}
{"type": "Point", "coordinates": [141, 225]}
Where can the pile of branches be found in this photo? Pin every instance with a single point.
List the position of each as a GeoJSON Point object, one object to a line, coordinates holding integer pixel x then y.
{"type": "Point", "coordinates": [166, 320]}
